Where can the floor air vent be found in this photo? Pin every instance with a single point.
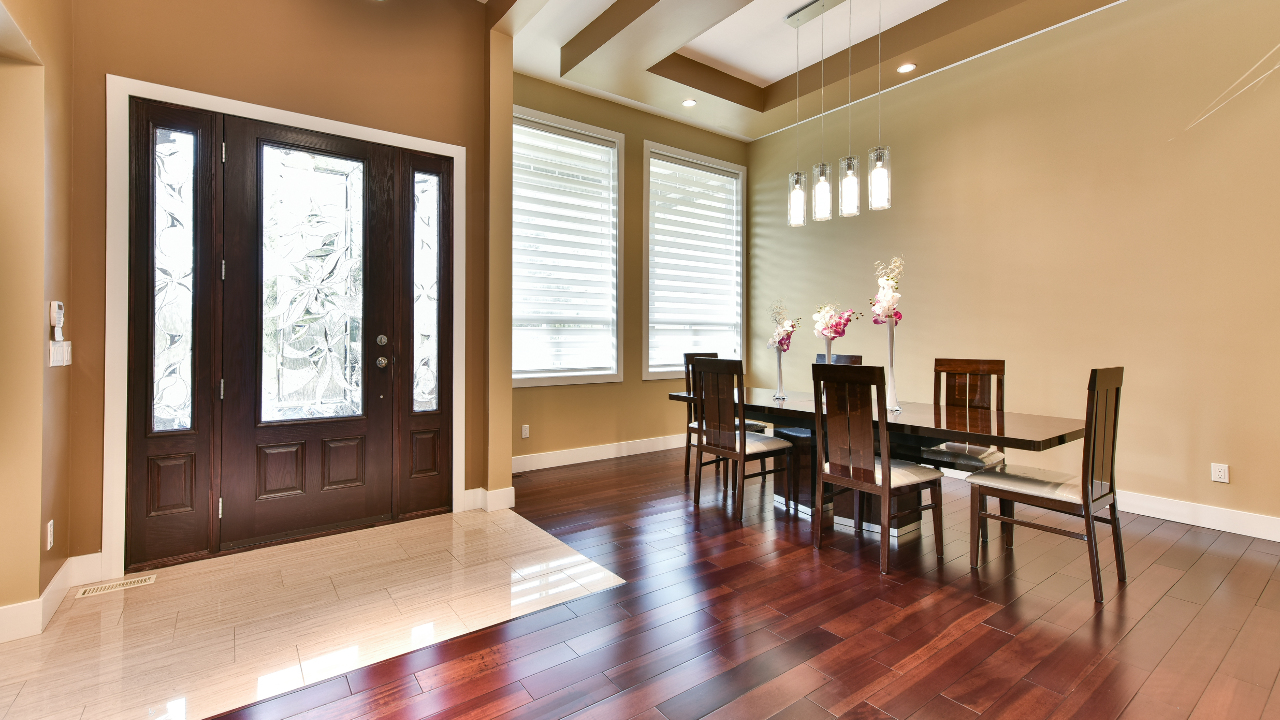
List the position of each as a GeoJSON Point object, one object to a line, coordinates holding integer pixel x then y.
{"type": "Point", "coordinates": [117, 585]}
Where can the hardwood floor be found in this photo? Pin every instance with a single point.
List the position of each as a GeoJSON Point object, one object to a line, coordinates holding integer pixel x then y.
{"type": "Point", "coordinates": [734, 621]}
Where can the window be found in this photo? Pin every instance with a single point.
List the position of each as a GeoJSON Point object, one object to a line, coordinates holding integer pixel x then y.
{"type": "Point", "coordinates": [693, 259]}
{"type": "Point", "coordinates": [565, 248]}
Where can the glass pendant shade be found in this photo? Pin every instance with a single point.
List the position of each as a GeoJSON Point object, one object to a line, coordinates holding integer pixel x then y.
{"type": "Point", "coordinates": [878, 197]}
{"type": "Point", "coordinates": [821, 192]}
{"type": "Point", "coordinates": [795, 199]}
{"type": "Point", "coordinates": [849, 191]}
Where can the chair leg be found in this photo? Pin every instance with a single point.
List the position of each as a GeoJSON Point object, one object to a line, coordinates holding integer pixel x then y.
{"type": "Point", "coordinates": [688, 450]}
{"type": "Point", "coordinates": [815, 516]}
{"type": "Point", "coordinates": [740, 483]}
{"type": "Point", "coordinates": [1006, 529]}
{"type": "Point", "coordinates": [884, 532]}
{"type": "Point", "coordinates": [1091, 539]}
{"type": "Point", "coordinates": [857, 512]}
{"type": "Point", "coordinates": [1119, 544]}
{"type": "Point", "coordinates": [975, 534]}
{"type": "Point", "coordinates": [982, 522]}
{"type": "Point", "coordinates": [697, 479]}
{"type": "Point", "coordinates": [935, 494]}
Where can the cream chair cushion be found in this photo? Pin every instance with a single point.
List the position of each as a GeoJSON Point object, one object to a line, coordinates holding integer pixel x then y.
{"type": "Point", "coordinates": [969, 458]}
{"type": "Point", "coordinates": [752, 426]}
{"type": "Point", "coordinates": [902, 473]}
{"type": "Point", "coordinates": [757, 443]}
{"type": "Point", "coordinates": [1031, 481]}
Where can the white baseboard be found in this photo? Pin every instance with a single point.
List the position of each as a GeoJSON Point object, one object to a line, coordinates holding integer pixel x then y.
{"type": "Point", "coordinates": [1207, 516]}
{"type": "Point", "coordinates": [573, 456]}
{"type": "Point", "coordinates": [488, 500]}
{"type": "Point", "coordinates": [29, 618]}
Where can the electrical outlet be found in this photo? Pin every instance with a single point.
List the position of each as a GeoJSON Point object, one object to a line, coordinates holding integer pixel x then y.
{"type": "Point", "coordinates": [48, 541]}
{"type": "Point", "coordinates": [524, 431]}
{"type": "Point", "coordinates": [1220, 472]}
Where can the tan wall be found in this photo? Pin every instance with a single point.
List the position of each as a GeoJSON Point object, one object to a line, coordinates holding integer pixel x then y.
{"type": "Point", "coordinates": [573, 416]}
{"type": "Point", "coordinates": [1056, 209]}
{"type": "Point", "coordinates": [45, 190]}
{"type": "Point", "coordinates": [22, 324]}
{"type": "Point", "coordinates": [499, 257]}
{"type": "Point", "coordinates": [416, 68]}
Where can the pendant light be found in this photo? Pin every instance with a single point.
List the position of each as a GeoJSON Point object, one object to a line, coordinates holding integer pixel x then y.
{"type": "Point", "coordinates": [878, 195]}
{"type": "Point", "coordinates": [822, 171]}
{"type": "Point", "coordinates": [795, 181]}
{"type": "Point", "coordinates": [848, 165]}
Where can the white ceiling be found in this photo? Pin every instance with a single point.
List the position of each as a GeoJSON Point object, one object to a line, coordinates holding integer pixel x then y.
{"type": "Point", "coordinates": [754, 44]}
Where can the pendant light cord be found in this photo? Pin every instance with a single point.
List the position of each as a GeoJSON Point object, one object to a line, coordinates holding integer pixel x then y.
{"type": "Point", "coordinates": [797, 98]}
{"type": "Point", "coordinates": [849, 80]}
{"type": "Point", "coordinates": [822, 86]}
{"type": "Point", "coordinates": [879, 61]}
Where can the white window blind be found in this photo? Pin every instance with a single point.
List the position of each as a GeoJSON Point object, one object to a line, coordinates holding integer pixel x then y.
{"type": "Point", "coordinates": [695, 262]}
{"type": "Point", "coordinates": [564, 254]}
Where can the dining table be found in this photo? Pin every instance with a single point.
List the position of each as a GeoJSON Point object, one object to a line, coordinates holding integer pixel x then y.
{"type": "Point", "coordinates": [912, 427]}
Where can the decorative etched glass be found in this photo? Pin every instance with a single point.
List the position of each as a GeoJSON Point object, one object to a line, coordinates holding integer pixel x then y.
{"type": "Point", "coordinates": [312, 284]}
{"type": "Point", "coordinates": [426, 292]}
{"type": "Point", "coordinates": [173, 253]}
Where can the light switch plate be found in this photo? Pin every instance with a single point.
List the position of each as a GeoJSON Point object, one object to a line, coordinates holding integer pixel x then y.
{"type": "Point", "coordinates": [524, 431]}
{"type": "Point", "coordinates": [48, 541]}
{"type": "Point", "coordinates": [1220, 472]}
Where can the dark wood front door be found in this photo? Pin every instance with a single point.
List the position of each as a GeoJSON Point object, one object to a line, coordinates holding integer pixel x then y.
{"type": "Point", "coordinates": [313, 334]}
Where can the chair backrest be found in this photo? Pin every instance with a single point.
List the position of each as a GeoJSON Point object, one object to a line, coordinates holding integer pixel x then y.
{"type": "Point", "coordinates": [845, 427]}
{"type": "Point", "coordinates": [688, 378]}
{"type": "Point", "coordinates": [839, 359]}
{"type": "Point", "coordinates": [967, 383]}
{"type": "Point", "coordinates": [719, 392]}
{"type": "Point", "coordinates": [1100, 422]}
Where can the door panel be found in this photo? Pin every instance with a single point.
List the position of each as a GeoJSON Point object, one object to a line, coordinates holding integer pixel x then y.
{"type": "Point", "coordinates": [171, 424]}
{"type": "Point", "coordinates": [309, 235]}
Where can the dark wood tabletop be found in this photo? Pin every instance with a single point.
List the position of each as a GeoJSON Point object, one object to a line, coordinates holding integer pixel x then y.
{"type": "Point", "coordinates": [925, 420]}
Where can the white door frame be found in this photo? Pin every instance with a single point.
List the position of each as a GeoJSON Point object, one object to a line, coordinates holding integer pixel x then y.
{"type": "Point", "coordinates": [116, 362]}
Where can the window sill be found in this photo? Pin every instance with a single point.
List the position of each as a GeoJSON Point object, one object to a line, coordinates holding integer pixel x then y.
{"type": "Point", "coordinates": [565, 380]}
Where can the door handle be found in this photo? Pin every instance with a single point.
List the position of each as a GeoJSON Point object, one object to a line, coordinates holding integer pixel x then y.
{"type": "Point", "coordinates": [382, 362]}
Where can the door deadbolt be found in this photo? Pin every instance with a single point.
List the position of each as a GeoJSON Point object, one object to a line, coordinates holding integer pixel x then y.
{"type": "Point", "coordinates": [382, 339]}
{"type": "Point", "coordinates": [382, 362]}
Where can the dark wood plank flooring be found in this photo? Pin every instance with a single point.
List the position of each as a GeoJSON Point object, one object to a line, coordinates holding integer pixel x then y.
{"type": "Point", "coordinates": [744, 620]}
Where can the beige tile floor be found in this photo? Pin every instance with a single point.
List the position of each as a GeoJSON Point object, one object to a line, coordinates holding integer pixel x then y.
{"type": "Point", "coordinates": [213, 635]}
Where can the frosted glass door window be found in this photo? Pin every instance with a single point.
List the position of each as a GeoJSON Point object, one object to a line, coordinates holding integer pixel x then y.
{"type": "Point", "coordinates": [426, 292]}
{"type": "Point", "coordinates": [312, 284]}
{"type": "Point", "coordinates": [173, 253]}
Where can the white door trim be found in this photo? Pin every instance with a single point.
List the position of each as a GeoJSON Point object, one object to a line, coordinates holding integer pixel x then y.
{"type": "Point", "coordinates": [115, 370]}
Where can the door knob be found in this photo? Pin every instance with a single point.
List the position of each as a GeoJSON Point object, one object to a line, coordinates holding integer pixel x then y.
{"type": "Point", "coordinates": [382, 362]}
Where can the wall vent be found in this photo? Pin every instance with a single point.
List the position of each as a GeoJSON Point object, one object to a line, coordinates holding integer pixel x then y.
{"type": "Point", "coordinates": [117, 585]}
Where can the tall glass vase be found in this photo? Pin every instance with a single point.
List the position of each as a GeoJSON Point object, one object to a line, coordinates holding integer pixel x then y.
{"type": "Point", "coordinates": [890, 387]}
{"type": "Point", "coordinates": [828, 350]}
{"type": "Point", "coordinates": [780, 394]}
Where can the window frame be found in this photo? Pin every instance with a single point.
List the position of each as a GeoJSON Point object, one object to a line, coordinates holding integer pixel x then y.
{"type": "Point", "coordinates": [573, 129]}
{"type": "Point", "coordinates": [723, 166]}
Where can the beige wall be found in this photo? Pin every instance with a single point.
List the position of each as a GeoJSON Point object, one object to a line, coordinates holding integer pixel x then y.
{"type": "Point", "coordinates": [1056, 209]}
{"type": "Point", "coordinates": [572, 416]}
{"type": "Point", "coordinates": [35, 142]}
{"type": "Point", "coordinates": [501, 80]}
{"type": "Point", "coordinates": [416, 68]}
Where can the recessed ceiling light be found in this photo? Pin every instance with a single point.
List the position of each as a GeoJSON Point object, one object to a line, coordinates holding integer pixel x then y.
{"type": "Point", "coordinates": [689, 103]}
{"type": "Point", "coordinates": [906, 68]}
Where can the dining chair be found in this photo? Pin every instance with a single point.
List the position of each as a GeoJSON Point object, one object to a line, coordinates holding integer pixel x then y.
{"type": "Point", "coordinates": [962, 386]}
{"type": "Point", "coordinates": [802, 438]}
{"type": "Point", "coordinates": [720, 392]}
{"type": "Point", "coordinates": [691, 423]}
{"type": "Point", "coordinates": [1081, 495]}
{"type": "Point", "coordinates": [846, 432]}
